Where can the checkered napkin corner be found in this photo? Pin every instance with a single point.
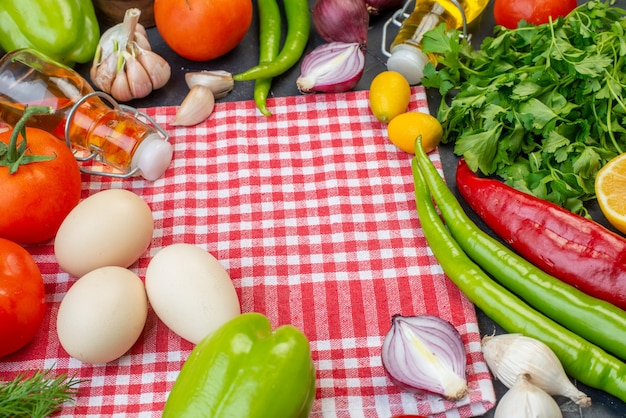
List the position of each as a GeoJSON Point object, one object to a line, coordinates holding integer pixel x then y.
{"type": "Point", "coordinates": [312, 213]}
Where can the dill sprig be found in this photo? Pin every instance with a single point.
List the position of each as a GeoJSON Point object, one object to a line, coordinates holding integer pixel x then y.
{"type": "Point", "coordinates": [36, 395]}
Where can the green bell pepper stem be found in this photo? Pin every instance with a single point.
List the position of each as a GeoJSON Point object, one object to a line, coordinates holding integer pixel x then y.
{"type": "Point", "coordinates": [246, 369]}
{"type": "Point", "coordinates": [65, 30]}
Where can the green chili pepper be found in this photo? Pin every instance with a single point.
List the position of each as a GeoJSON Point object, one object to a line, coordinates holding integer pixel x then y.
{"type": "Point", "coordinates": [298, 30]}
{"type": "Point", "coordinates": [244, 369]}
{"type": "Point", "coordinates": [65, 30]}
{"type": "Point", "coordinates": [269, 47]}
{"type": "Point", "coordinates": [581, 359]}
{"type": "Point", "coordinates": [598, 321]}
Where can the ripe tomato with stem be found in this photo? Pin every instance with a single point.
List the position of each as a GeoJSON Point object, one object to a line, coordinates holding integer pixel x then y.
{"type": "Point", "coordinates": [41, 182]}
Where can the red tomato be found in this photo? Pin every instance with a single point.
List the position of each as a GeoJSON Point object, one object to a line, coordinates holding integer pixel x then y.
{"type": "Point", "coordinates": [508, 13]}
{"type": "Point", "coordinates": [22, 297]}
{"type": "Point", "coordinates": [39, 195]}
{"type": "Point", "coordinates": [201, 30]}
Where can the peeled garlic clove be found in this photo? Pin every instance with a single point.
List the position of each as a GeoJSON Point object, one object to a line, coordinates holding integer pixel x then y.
{"type": "Point", "coordinates": [219, 81]}
{"type": "Point", "coordinates": [525, 400]}
{"type": "Point", "coordinates": [196, 107]}
{"type": "Point", "coordinates": [510, 355]}
{"type": "Point", "coordinates": [158, 69]}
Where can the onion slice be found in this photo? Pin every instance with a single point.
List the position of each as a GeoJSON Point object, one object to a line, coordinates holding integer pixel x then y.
{"type": "Point", "coordinates": [341, 20]}
{"type": "Point", "coordinates": [425, 353]}
{"type": "Point", "coordinates": [331, 68]}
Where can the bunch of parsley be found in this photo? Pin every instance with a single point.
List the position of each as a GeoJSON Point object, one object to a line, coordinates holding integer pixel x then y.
{"type": "Point", "coordinates": [542, 107]}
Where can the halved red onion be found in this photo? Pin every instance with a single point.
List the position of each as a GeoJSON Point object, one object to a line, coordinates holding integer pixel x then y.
{"type": "Point", "coordinates": [331, 68]}
{"type": "Point", "coordinates": [341, 20]}
{"type": "Point", "coordinates": [425, 353]}
{"type": "Point", "coordinates": [374, 7]}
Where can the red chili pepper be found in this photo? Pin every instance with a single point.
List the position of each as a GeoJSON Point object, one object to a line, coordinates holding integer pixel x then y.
{"type": "Point", "coordinates": [571, 248]}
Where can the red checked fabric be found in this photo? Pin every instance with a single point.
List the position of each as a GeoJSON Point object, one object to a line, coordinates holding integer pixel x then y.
{"type": "Point", "coordinates": [312, 213]}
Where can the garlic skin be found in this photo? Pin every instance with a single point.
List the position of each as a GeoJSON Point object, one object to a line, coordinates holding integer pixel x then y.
{"type": "Point", "coordinates": [511, 355]}
{"type": "Point", "coordinates": [196, 107]}
{"type": "Point", "coordinates": [525, 400]}
{"type": "Point", "coordinates": [219, 81]}
{"type": "Point", "coordinates": [124, 64]}
{"type": "Point", "coordinates": [204, 88]}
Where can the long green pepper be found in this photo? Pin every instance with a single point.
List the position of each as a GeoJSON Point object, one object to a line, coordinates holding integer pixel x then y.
{"type": "Point", "coordinates": [269, 47]}
{"type": "Point", "coordinates": [582, 360]}
{"type": "Point", "coordinates": [298, 30]}
{"type": "Point", "coordinates": [597, 321]}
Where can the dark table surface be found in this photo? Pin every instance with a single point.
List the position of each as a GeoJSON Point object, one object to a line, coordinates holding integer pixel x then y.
{"type": "Point", "coordinates": [245, 55]}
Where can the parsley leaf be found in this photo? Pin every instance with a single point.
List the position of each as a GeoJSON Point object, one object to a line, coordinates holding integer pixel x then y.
{"type": "Point", "coordinates": [542, 107]}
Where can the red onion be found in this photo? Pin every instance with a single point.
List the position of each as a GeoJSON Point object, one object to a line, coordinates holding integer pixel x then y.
{"type": "Point", "coordinates": [331, 68]}
{"type": "Point", "coordinates": [341, 20]}
{"type": "Point", "coordinates": [374, 7]}
{"type": "Point", "coordinates": [425, 353]}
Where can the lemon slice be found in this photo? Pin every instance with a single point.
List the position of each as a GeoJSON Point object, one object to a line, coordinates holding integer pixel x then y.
{"type": "Point", "coordinates": [610, 188]}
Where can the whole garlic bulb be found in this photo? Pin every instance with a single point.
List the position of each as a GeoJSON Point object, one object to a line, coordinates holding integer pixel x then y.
{"type": "Point", "coordinates": [124, 64]}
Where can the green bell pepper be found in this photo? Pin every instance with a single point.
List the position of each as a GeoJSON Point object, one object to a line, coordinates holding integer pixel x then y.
{"type": "Point", "coordinates": [244, 369]}
{"type": "Point", "coordinates": [65, 30]}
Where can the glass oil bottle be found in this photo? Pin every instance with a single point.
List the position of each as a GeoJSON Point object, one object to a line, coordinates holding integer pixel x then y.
{"type": "Point", "coordinates": [91, 122]}
{"type": "Point", "coordinates": [405, 55]}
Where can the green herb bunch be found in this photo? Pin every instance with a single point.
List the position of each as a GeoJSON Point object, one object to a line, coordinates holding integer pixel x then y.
{"type": "Point", "coordinates": [37, 394]}
{"type": "Point", "coordinates": [543, 106]}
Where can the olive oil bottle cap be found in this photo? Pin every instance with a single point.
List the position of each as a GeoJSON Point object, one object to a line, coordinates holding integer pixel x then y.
{"type": "Point", "coordinates": [408, 61]}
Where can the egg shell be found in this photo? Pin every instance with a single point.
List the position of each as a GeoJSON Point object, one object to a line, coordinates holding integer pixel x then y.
{"type": "Point", "coordinates": [102, 315]}
{"type": "Point", "coordinates": [190, 291]}
{"type": "Point", "coordinates": [113, 227]}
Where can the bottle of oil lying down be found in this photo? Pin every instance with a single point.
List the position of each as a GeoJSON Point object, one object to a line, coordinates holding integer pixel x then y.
{"type": "Point", "coordinates": [105, 132]}
{"type": "Point", "coordinates": [406, 56]}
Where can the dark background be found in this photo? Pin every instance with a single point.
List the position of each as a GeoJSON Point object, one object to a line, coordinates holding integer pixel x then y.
{"type": "Point", "coordinates": [245, 55]}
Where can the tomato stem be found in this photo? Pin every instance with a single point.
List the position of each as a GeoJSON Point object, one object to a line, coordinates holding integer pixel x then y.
{"type": "Point", "coordinates": [15, 154]}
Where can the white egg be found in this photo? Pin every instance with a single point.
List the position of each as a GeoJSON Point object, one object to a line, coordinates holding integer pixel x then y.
{"type": "Point", "coordinates": [190, 291]}
{"type": "Point", "coordinates": [110, 228]}
{"type": "Point", "coordinates": [102, 315]}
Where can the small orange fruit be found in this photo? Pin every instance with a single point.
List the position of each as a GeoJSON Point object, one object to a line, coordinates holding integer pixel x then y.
{"type": "Point", "coordinates": [610, 188]}
{"type": "Point", "coordinates": [404, 129]}
{"type": "Point", "coordinates": [389, 95]}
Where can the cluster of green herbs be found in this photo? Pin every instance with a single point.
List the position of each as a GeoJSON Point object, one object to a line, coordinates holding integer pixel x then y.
{"type": "Point", "coordinates": [36, 395]}
{"type": "Point", "coordinates": [542, 107]}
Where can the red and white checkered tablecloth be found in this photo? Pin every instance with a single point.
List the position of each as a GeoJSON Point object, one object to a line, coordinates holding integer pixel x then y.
{"type": "Point", "coordinates": [312, 213]}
